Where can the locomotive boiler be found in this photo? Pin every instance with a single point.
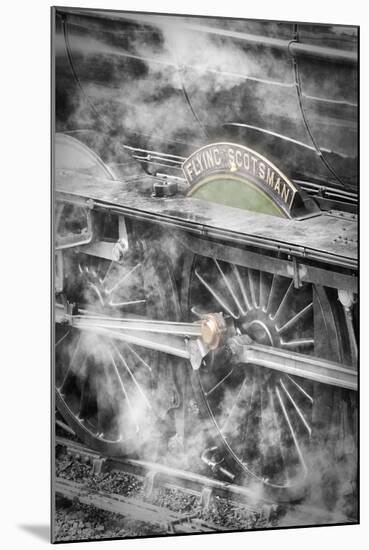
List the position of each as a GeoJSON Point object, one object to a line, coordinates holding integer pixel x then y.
{"type": "Point", "coordinates": [205, 224]}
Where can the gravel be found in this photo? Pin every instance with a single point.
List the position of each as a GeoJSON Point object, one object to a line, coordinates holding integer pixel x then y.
{"type": "Point", "coordinates": [75, 521]}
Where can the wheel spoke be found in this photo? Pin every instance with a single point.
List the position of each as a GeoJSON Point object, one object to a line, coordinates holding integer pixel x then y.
{"type": "Point", "coordinates": [84, 398]}
{"type": "Point", "coordinates": [292, 432]}
{"type": "Point", "coordinates": [123, 279]}
{"type": "Point", "coordinates": [282, 303]}
{"type": "Point", "coordinates": [242, 287]}
{"type": "Point", "coordinates": [124, 304]}
{"type": "Point", "coordinates": [252, 289]}
{"type": "Point", "coordinates": [108, 271]}
{"type": "Point", "coordinates": [62, 338]}
{"type": "Point", "coordinates": [101, 403]}
{"type": "Point", "coordinates": [278, 427]}
{"type": "Point", "coordinates": [249, 410]}
{"type": "Point", "coordinates": [98, 268]}
{"type": "Point", "coordinates": [300, 388]}
{"type": "Point", "coordinates": [215, 295]}
{"type": "Point", "coordinates": [262, 291]}
{"type": "Point", "coordinates": [266, 433]}
{"type": "Point", "coordinates": [71, 363]}
{"type": "Point", "coordinates": [298, 410]}
{"type": "Point", "coordinates": [271, 293]}
{"type": "Point", "coordinates": [303, 342]}
{"type": "Point", "coordinates": [121, 384]}
{"type": "Point", "coordinates": [138, 357]}
{"type": "Point", "coordinates": [231, 291]}
{"type": "Point", "coordinates": [243, 385]}
{"type": "Point", "coordinates": [219, 383]}
{"type": "Point", "coordinates": [124, 363]}
{"type": "Point", "coordinates": [295, 318]}
{"type": "Point", "coordinates": [98, 293]}
{"type": "Point", "coordinates": [197, 314]}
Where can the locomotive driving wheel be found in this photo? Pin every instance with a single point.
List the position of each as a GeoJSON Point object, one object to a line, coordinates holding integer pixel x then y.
{"type": "Point", "coordinates": [117, 397]}
{"type": "Point", "coordinates": [271, 427]}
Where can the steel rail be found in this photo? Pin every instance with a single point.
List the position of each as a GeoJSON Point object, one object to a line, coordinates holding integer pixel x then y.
{"type": "Point", "coordinates": [203, 487]}
{"type": "Point", "coordinates": [136, 509]}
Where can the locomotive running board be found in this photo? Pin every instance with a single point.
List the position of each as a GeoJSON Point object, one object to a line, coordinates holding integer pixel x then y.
{"type": "Point", "coordinates": [184, 340]}
{"type": "Point", "coordinates": [324, 237]}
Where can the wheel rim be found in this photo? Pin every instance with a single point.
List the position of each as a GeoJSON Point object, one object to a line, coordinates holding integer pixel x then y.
{"type": "Point", "coordinates": [117, 395]}
{"type": "Point", "coordinates": [264, 420]}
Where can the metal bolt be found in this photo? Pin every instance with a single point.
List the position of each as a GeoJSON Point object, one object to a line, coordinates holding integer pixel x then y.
{"type": "Point", "coordinates": [119, 249]}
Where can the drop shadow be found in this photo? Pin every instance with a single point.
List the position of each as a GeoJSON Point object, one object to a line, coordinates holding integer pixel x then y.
{"type": "Point", "coordinates": [40, 531]}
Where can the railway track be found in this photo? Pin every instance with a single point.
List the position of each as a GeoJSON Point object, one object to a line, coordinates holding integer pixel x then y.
{"type": "Point", "coordinates": [152, 476]}
{"type": "Point", "coordinates": [135, 509]}
{"type": "Point", "coordinates": [140, 508]}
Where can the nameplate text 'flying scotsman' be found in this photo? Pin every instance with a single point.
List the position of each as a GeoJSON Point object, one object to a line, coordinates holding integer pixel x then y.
{"type": "Point", "coordinates": [219, 171]}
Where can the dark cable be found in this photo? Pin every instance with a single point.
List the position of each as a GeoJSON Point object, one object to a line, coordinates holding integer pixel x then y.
{"type": "Point", "coordinates": [75, 76]}
{"type": "Point", "coordinates": [92, 106]}
{"type": "Point", "coordinates": [303, 114]}
{"type": "Point", "coordinates": [186, 96]}
{"type": "Point", "coordinates": [190, 104]}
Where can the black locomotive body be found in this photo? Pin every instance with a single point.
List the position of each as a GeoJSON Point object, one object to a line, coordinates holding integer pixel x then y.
{"type": "Point", "coordinates": [206, 245]}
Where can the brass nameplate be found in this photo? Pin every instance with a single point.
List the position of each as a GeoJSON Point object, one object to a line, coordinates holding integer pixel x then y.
{"type": "Point", "coordinates": [230, 158]}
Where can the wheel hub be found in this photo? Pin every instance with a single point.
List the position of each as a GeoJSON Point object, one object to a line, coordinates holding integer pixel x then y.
{"type": "Point", "coordinates": [259, 327]}
{"type": "Point", "coordinates": [213, 329]}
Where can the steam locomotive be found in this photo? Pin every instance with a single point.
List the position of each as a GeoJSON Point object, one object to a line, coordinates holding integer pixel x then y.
{"type": "Point", "coordinates": [205, 228]}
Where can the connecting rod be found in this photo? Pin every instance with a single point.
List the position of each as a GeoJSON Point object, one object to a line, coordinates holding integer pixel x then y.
{"type": "Point", "coordinates": [194, 341]}
{"type": "Point", "coordinates": [296, 364]}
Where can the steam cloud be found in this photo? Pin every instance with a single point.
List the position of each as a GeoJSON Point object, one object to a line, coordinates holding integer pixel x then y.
{"type": "Point", "coordinates": [176, 88]}
{"type": "Point", "coordinates": [152, 103]}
